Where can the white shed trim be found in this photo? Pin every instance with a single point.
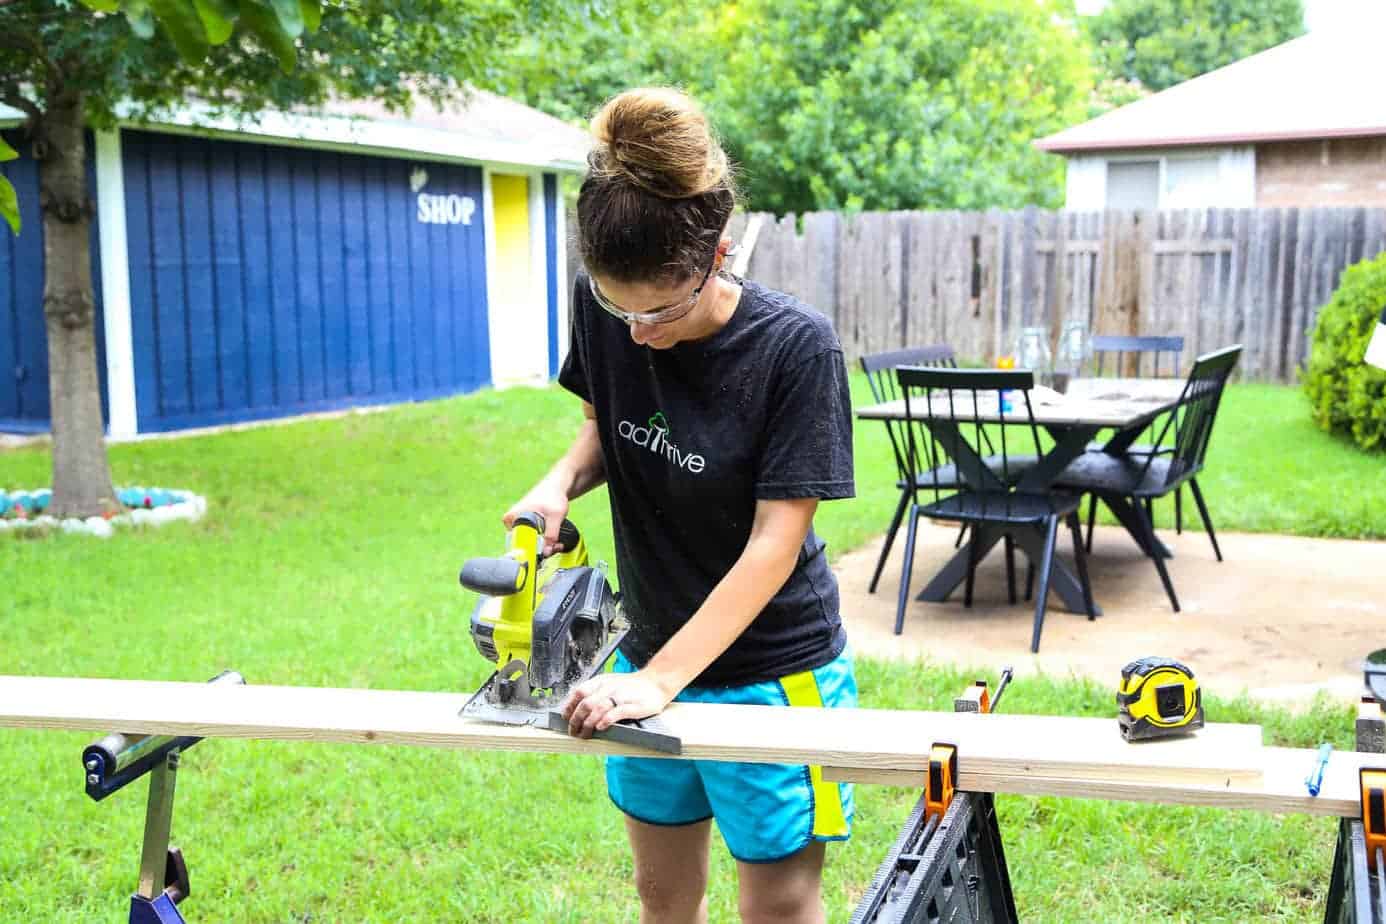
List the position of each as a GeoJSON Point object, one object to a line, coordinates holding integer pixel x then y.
{"type": "Point", "coordinates": [560, 268]}
{"type": "Point", "coordinates": [115, 286]}
{"type": "Point", "coordinates": [535, 363]}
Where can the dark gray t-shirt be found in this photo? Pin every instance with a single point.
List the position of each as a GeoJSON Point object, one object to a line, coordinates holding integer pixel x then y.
{"type": "Point", "coordinates": [691, 438]}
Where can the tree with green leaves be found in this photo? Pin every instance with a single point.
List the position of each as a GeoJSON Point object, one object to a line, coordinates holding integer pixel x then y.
{"type": "Point", "coordinates": [611, 47]}
{"type": "Point", "coordinates": [897, 104]}
{"type": "Point", "coordinates": [833, 104]}
{"type": "Point", "coordinates": [1158, 43]}
{"type": "Point", "coordinates": [69, 65]}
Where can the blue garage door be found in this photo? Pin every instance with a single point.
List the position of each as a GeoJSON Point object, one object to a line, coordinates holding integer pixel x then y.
{"type": "Point", "coordinates": [23, 334]}
{"type": "Point", "coordinates": [267, 281]}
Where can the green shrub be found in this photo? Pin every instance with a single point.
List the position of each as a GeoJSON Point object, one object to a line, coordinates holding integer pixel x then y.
{"type": "Point", "coordinates": [1345, 394]}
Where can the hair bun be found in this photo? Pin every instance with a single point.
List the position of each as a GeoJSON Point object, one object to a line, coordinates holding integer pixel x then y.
{"type": "Point", "coordinates": [660, 139]}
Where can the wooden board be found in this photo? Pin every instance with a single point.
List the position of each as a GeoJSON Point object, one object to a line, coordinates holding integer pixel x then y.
{"type": "Point", "coordinates": [1222, 765]}
{"type": "Point", "coordinates": [1280, 789]}
{"type": "Point", "coordinates": [1001, 746]}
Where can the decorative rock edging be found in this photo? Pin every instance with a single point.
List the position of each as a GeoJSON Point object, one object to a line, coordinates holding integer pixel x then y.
{"type": "Point", "coordinates": [152, 506]}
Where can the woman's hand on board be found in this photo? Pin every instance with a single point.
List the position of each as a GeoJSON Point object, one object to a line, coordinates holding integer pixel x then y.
{"type": "Point", "coordinates": [608, 698]}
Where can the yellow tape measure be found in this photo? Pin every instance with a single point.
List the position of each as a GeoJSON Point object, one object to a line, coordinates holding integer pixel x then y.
{"type": "Point", "coordinates": [1158, 697]}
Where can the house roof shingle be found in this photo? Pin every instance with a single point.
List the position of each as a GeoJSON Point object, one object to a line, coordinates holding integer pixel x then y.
{"type": "Point", "coordinates": [1326, 84]}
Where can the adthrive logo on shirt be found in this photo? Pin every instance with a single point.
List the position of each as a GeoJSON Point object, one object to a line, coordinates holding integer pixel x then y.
{"type": "Point", "coordinates": [655, 437]}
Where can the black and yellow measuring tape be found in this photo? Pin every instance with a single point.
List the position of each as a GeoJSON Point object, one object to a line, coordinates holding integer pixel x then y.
{"type": "Point", "coordinates": [1158, 697]}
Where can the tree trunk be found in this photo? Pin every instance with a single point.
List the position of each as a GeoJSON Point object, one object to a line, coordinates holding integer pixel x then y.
{"type": "Point", "coordinates": [81, 473]}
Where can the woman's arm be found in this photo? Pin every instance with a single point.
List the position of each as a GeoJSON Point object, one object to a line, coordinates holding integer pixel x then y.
{"type": "Point", "coordinates": [777, 535]}
{"type": "Point", "coordinates": [579, 470]}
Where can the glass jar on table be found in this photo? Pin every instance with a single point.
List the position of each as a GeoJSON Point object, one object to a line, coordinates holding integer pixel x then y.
{"type": "Point", "coordinates": [1032, 352]}
{"type": "Point", "coordinates": [1072, 354]}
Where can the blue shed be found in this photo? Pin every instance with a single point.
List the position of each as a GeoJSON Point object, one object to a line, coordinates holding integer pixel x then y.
{"type": "Point", "coordinates": [23, 337]}
{"type": "Point", "coordinates": [305, 262]}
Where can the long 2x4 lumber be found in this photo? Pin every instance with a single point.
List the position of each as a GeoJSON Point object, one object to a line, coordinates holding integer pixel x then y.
{"type": "Point", "coordinates": [1280, 789]}
{"type": "Point", "coordinates": [1005, 753]}
{"type": "Point", "coordinates": [863, 738]}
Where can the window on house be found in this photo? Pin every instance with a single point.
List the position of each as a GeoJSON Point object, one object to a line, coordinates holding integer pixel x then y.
{"type": "Point", "coordinates": [1133, 184]}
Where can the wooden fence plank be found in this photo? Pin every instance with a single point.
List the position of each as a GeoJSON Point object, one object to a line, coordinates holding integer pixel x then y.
{"type": "Point", "coordinates": [1286, 230]}
{"type": "Point", "coordinates": [922, 305]}
{"type": "Point", "coordinates": [990, 257]}
{"type": "Point", "coordinates": [1301, 278]}
{"type": "Point", "coordinates": [1252, 295]}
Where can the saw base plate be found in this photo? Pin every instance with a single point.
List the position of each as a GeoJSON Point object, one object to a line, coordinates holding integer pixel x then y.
{"type": "Point", "coordinates": [645, 733]}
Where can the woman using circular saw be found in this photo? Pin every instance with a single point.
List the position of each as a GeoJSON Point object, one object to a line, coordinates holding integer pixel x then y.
{"type": "Point", "coordinates": [717, 414]}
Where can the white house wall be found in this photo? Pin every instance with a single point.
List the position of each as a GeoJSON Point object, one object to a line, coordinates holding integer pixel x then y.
{"type": "Point", "coordinates": [115, 285]}
{"type": "Point", "coordinates": [1238, 176]}
{"type": "Point", "coordinates": [1201, 177]}
{"type": "Point", "coordinates": [1086, 184]}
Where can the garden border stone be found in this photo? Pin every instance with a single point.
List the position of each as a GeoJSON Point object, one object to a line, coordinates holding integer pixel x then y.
{"type": "Point", "coordinates": [182, 505]}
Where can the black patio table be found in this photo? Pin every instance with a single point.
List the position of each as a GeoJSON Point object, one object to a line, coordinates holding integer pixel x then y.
{"type": "Point", "coordinates": [1090, 406]}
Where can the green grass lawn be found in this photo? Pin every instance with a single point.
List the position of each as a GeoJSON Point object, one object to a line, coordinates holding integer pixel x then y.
{"type": "Point", "coordinates": [329, 557]}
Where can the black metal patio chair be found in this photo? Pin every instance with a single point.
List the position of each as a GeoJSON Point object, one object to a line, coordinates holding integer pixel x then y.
{"type": "Point", "coordinates": [1130, 352]}
{"type": "Point", "coordinates": [1138, 348]}
{"type": "Point", "coordinates": [1138, 478]}
{"type": "Point", "coordinates": [880, 376]}
{"type": "Point", "coordinates": [940, 406]}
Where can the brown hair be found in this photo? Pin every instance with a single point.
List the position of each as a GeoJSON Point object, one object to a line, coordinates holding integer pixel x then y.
{"type": "Point", "coordinates": [659, 191]}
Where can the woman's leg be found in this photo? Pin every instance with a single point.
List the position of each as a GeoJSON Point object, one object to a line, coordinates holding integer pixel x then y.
{"type": "Point", "coordinates": [786, 892]}
{"type": "Point", "coordinates": [671, 870]}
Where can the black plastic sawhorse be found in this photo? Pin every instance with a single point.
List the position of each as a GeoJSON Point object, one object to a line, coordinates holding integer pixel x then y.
{"type": "Point", "coordinates": [1356, 893]}
{"type": "Point", "coordinates": [954, 870]}
{"type": "Point", "coordinates": [948, 863]}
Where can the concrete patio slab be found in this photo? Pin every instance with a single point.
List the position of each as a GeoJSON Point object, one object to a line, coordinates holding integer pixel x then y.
{"type": "Point", "coordinates": [1281, 618]}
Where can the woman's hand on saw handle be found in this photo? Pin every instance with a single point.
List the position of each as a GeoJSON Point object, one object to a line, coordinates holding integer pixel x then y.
{"type": "Point", "coordinates": [551, 503]}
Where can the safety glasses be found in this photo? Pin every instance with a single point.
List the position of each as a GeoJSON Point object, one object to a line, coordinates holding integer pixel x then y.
{"type": "Point", "coordinates": [666, 315]}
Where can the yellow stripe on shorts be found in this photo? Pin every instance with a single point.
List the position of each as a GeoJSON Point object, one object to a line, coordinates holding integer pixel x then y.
{"type": "Point", "coordinates": [802, 690]}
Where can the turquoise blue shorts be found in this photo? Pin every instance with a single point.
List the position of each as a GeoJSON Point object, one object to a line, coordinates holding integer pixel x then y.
{"type": "Point", "coordinates": [766, 812]}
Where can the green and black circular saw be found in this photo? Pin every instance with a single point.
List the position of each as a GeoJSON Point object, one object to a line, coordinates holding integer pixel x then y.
{"type": "Point", "coordinates": [548, 622]}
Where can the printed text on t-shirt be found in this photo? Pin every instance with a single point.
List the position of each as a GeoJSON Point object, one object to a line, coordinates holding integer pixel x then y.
{"type": "Point", "coordinates": [655, 438]}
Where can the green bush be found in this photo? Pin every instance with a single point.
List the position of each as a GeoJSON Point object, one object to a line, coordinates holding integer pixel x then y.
{"type": "Point", "coordinates": [1345, 394]}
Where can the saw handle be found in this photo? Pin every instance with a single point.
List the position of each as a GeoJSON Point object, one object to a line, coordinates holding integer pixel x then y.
{"type": "Point", "coordinates": [568, 535]}
{"type": "Point", "coordinates": [500, 577]}
{"type": "Point", "coordinates": [495, 577]}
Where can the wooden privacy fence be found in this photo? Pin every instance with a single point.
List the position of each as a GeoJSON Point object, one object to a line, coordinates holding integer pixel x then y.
{"type": "Point", "coordinates": [973, 279]}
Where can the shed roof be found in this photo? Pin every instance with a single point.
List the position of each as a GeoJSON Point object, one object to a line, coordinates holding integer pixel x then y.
{"type": "Point", "coordinates": [1326, 84]}
{"type": "Point", "coordinates": [481, 127]}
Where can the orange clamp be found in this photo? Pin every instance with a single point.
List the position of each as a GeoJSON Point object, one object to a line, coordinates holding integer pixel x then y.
{"type": "Point", "coordinates": [976, 698]}
{"type": "Point", "coordinates": [938, 786]}
{"type": "Point", "coordinates": [1373, 811]}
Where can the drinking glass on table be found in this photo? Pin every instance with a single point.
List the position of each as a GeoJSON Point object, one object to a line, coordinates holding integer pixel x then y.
{"type": "Point", "coordinates": [1032, 352]}
{"type": "Point", "coordinates": [1071, 355]}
